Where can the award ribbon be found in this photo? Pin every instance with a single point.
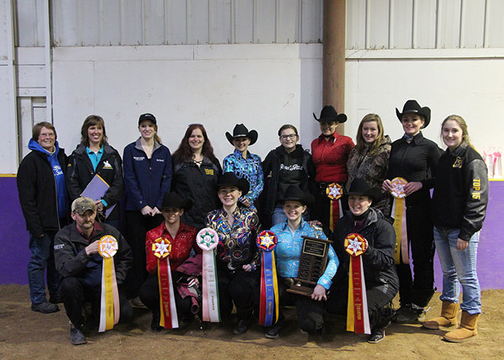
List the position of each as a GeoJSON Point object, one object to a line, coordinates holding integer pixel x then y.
{"type": "Point", "coordinates": [109, 299]}
{"type": "Point", "coordinates": [161, 248]}
{"type": "Point", "coordinates": [334, 192]}
{"type": "Point", "coordinates": [269, 302]}
{"type": "Point", "coordinates": [401, 252]}
{"type": "Point", "coordinates": [207, 239]}
{"type": "Point", "coordinates": [357, 311]}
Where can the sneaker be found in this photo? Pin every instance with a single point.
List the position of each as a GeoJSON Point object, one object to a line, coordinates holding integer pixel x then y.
{"type": "Point", "coordinates": [77, 336]}
{"type": "Point", "coordinates": [377, 335]}
{"type": "Point", "coordinates": [272, 332]}
{"type": "Point", "coordinates": [242, 327]}
{"type": "Point", "coordinates": [407, 315]}
{"type": "Point", "coordinates": [45, 307]}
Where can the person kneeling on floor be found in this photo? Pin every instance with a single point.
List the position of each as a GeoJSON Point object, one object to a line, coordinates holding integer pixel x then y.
{"type": "Point", "coordinates": [77, 258]}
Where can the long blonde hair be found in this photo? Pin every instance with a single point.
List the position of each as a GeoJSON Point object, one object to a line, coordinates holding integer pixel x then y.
{"type": "Point", "coordinates": [361, 143]}
{"type": "Point", "coordinates": [463, 126]}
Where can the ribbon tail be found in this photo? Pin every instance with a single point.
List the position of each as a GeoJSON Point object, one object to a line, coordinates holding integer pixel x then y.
{"type": "Point", "coordinates": [365, 310]}
{"type": "Point", "coordinates": [350, 305]}
{"type": "Point", "coordinates": [173, 304]}
{"type": "Point", "coordinates": [106, 297]}
{"type": "Point", "coordinates": [115, 292]}
{"type": "Point", "coordinates": [404, 238]}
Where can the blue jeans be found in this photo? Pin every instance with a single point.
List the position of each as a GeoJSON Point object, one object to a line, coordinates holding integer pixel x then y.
{"type": "Point", "coordinates": [459, 268]}
{"type": "Point", "coordinates": [278, 215]}
{"type": "Point", "coordinates": [42, 258]}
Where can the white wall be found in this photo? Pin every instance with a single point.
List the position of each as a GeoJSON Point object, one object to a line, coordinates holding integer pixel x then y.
{"type": "Point", "coordinates": [262, 86]}
{"type": "Point", "coordinates": [469, 83]}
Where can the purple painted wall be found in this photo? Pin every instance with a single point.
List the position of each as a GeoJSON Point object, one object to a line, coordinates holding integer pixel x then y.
{"type": "Point", "coordinates": [14, 252]}
{"type": "Point", "coordinates": [14, 242]}
{"type": "Point", "coordinates": [490, 260]}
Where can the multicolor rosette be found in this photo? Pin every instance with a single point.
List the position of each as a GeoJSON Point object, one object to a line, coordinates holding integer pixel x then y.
{"type": "Point", "coordinates": [109, 300]}
{"type": "Point", "coordinates": [334, 192]}
{"type": "Point", "coordinates": [269, 302]}
{"type": "Point", "coordinates": [401, 253]}
{"type": "Point", "coordinates": [207, 239]}
{"type": "Point", "coordinates": [357, 311]}
{"type": "Point", "coordinates": [161, 248]}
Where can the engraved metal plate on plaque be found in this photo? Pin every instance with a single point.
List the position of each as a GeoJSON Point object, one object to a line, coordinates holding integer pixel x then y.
{"type": "Point", "coordinates": [312, 264]}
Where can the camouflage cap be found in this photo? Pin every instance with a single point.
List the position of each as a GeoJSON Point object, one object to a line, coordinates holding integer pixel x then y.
{"type": "Point", "coordinates": [83, 204]}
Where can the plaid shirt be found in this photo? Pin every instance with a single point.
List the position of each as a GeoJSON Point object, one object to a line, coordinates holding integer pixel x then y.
{"type": "Point", "coordinates": [250, 169]}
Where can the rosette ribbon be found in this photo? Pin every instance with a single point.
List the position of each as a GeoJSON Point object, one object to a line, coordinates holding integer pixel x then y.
{"type": "Point", "coordinates": [401, 252]}
{"type": "Point", "coordinates": [357, 311]}
{"type": "Point", "coordinates": [109, 298]}
{"type": "Point", "coordinates": [207, 239]}
{"type": "Point", "coordinates": [334, 192]}
{"type": "Point", "coordinates": [269, 302]}
{"type": "Point", "coordinates": [161, 248]}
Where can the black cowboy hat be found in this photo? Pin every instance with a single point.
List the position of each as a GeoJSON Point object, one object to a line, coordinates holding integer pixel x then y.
{"type": "Point", "coordinates": [294, 193]}
{"type": "Point", "coordinates": [241, 130]}
{"type": "Point", "coordinates": [230, 179]}
{"type": "Point", "coordinates": [172, 200]}
{"type": "Point", "coordinates": [360, 187]}
{"type": "Point", "coordinates": [413, 107]}
{"type": "Point", "coordinates": [329, 114]}
{"type": "Point", "coordinates": [148, 117]}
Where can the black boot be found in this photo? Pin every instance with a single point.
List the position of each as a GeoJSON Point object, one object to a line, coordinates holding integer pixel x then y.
{"type": "Point", "coordinates": [155, 327]}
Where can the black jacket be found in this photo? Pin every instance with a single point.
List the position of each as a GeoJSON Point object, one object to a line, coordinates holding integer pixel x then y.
{"type": "Point", "coordinates": [198, 183]}
{"type": "Point", "coordinates": [271, 168]}
{"type": "Point", "coordinates": [378, 260]}
{"type": "Point", "coordinates": [72, 261]}
{"type": "Point", "coordinates": [80, 173]}
{"type": "Point", "coordinates": [37, 192]}
{"type": "Point", "coordinates": [461, 191]}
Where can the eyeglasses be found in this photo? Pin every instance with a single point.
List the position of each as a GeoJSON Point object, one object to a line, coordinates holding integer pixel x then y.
{"type": "Point", "coordinates": [285, 137]}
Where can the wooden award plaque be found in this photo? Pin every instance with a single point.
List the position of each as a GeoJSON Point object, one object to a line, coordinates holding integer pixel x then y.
{"type": "Point", "coordinates": [312, 264]}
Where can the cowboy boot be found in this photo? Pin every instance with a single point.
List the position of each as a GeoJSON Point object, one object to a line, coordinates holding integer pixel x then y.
{"type": "Point", "coordinates": [466, 330]}
{"type": "Point", "coordinates": [448, 317]}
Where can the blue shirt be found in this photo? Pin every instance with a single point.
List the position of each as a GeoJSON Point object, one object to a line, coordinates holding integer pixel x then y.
{"type": "Point", "coordinates": [95, 160]}
{"type": "Point", "coordinates": [288, 251]}
{"type": "Point", "coordinates": [94, 157]}
{"type": "Point", "coordinates": [249, 169]}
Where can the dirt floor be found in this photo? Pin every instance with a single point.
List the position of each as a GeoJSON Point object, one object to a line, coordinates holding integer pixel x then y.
{"type": "Point", "coordinates": [25, 334]}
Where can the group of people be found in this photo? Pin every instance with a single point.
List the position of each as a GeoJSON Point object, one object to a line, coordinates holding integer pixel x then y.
{"type": "Point", "coordinates": [337, 190]}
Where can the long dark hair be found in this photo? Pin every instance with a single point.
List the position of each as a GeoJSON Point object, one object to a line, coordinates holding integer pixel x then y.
{"type": "Point", "coordinates": [184, 151]}
{"type": "Point", "coordinates": [92, 120]}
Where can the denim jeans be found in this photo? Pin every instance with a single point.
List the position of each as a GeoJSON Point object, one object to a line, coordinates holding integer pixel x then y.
{"type": "Point", "coordinates": [42, 259]}
{"type": "Point", "coordinates": [278, 215]}
{"type": "Point", "coordinates": [459, 268]}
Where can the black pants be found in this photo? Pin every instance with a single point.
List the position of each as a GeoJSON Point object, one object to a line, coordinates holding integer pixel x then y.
{"type": "Point", "coordinates": [310, 312]}
{"type": "Point", "coordinates": [379, 299]}
{"type": "Point", "coordinates": [418, 288]}
{"type": "Point", "coordinates": [321, 209]}
{"type": "Point", "coordinates": [137, 227]}
{"type": "Point", "coordinates": [240, 287]}
{"type": "Point", "coordinates": [149, 294]}
{"type": "Point", "coordinates": [75, 293]}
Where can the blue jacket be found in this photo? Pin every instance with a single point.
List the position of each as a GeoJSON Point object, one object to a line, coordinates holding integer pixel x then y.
{"type": "Point", "coordinates": [146, 181]}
